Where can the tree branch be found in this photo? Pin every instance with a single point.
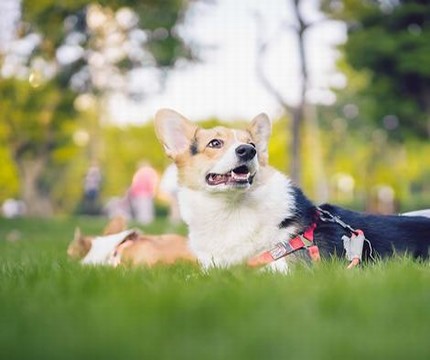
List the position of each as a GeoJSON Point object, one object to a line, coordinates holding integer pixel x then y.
{"type": "Point", "coordinates": [262, 48]}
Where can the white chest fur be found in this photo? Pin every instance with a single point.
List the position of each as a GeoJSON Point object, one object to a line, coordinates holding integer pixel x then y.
{"type": "Point", "coordinates": [229, 228]}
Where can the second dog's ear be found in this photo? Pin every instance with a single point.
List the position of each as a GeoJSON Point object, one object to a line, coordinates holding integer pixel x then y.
{"type": "Point", "coordinates": [115, 225]}
{"type": "Point", "coordinates": [174, 131]}
{"type": "Point", "coordinates": [260, 129]}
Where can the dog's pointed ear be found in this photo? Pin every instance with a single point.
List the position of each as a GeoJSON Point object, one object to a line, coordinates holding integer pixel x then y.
{"type": "Point", "coordinates": [80, 245]}
{"type": "Point", "coordinates": [261, 129]}
{"type": "Point", "coordinates": [174, 131]}
{"type": "Point", "coordinates": [115, 225]}
{"type": "Point", "coordinates": [78, 235]}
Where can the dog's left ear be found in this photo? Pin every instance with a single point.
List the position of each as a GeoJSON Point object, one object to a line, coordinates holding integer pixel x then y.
{"type": "Point", "coordinates": [174, 131]}
{"type": "Point", "coordinates": [261, 129]}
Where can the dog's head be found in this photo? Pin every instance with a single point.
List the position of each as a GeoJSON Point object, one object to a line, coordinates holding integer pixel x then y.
{"type": "Point", "coordinates": [218, 159]}
{"type": "Point", "coordinates": [81, 244]}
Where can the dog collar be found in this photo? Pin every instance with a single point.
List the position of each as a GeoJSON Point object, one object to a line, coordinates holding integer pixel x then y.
{"type": "Point", "coordinates": [304, 240]}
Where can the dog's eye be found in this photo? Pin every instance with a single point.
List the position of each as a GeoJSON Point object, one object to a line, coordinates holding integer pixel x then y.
{"type": "Point", "coordinates": [215, 144]}
{"type": "Point", "coordinates": [252, 144]}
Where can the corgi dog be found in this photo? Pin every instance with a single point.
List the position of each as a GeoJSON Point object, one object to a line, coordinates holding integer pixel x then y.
{"type": "Point", "coordinates": [117, 245]}
{"type": "Point", "coordinates": [237, 207]}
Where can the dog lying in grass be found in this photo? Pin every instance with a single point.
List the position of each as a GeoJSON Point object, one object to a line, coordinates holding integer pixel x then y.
{"type": "Point", "coordinates": [118, 245]}
{"type": "Point", "coordinates": [240, 210]}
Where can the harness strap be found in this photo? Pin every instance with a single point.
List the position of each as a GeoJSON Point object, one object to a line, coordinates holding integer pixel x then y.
{"type": "Point", "coordinates": [284, 248]}
{"type": "Point", "coordinates": [353, 245]}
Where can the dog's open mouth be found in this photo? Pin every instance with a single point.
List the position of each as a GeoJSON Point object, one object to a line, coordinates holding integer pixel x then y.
{"type": "Point", "coordinates": [238, 176]}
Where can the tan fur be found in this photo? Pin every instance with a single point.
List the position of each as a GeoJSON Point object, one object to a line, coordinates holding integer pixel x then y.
{"type": "Point", "coordinates": [140, 249]}
{"type": "Point", "coordinates": [80, 245]}
{"type": "Point", "coordinates": [228, 193]}
{"type": "Point", "coordinates": [152, 249]}
{"type": "Point", "coordinates": [115, 226]}
{"type": "Point", "coordinates": [193, 167]}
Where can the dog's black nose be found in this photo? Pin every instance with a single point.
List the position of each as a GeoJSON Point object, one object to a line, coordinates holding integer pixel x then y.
{"type": "Point", "coordinates": [245, 152]}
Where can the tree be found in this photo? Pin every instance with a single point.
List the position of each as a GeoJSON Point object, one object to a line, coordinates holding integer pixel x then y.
{"type": "Point", "coordinates": [388, 42]}
{"type": "Point", "coordinates": [37, 123]}
{"type": "Point", "coordinates": [75, 47]}
{"type": "Point", "coordinates": [300, 27]}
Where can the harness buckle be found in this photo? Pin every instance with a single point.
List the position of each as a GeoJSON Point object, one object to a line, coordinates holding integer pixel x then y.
{"type": "Point", "coordinates": [354, 247]}
{"type": "Point", "coordinates": [280, 250]}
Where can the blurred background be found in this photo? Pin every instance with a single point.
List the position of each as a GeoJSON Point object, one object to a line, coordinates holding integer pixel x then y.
{"type": "Point", "coordinates": [346, 83]}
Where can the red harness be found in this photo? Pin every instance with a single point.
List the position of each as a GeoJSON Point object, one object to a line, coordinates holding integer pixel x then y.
{"type": "Point", "coordinates": [284, 248]}
{"type": "Point", "coordinates": [353, 244]}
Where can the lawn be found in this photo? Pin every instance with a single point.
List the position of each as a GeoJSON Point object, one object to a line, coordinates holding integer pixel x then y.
{"type": "Point", "coordinates": [53, 308]}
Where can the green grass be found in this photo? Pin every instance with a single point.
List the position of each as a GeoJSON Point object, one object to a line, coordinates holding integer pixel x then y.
{"type": "Point", "coordinates": [53, 308]}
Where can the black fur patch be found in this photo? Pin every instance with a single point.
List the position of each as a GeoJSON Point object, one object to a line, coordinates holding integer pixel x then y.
{"type": "Point", "coordinates": [286, 223]}
{"type": "Point", "coordinates": [303, 214]}
{"type": "Point", "coordinates": [387, 234]}
{"type": "Point", "coordinates": [194, 149]}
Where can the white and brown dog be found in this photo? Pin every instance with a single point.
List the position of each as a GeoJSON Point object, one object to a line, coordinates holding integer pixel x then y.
{"type": "Point", "coordinates": [231, 200]}
{"type": "Point", "coordinates": [119, 245]}
{"type": "Point", "coordinates": [237, 206]}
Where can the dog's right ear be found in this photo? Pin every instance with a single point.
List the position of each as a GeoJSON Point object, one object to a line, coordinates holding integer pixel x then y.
{"type": "Point", "coordinates": [260, 129]}
{"type": "Point", "coordinates": [115, 225]}
{"type": "Point", "coordinates": [80, 245]}
{"type": "Point", "coordinates": [78, 235]}
{"type": "Point", "coordinates": [174, 131]}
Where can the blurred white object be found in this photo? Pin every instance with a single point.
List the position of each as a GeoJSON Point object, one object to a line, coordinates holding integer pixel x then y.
{"type": "Point", "coordinates": [12, 208]}
{"type": "Point", "coordinates": [424, 212]}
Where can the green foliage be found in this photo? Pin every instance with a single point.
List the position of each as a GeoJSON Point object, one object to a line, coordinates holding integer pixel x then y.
{"type": "Point", "coordinates": [278, 155]}
{"type": "Point", "coordinates": [365, 156]}
{"type": "Point", "coordinates": [61, 310]}
{"type": "Point", "coordinates": [389, 42]}
{"type": "Point", "coordinates": [36, 124]}
{"type": "Point", "coordinates": [39, 118]}
{"type": "Point", "coordinates": [9, 186]}
{"type": "Point", "coordinates": [47, 17]}
{"type": "Point", "coordinates": [35, 120]}
{"type": "Point", "coordinates": [124, 148]}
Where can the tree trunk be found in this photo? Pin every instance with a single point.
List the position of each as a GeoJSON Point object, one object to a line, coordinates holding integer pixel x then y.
{"type": "Point", "coordinates": [295, 146]}
{"type": "Point", "coordinates": [37, 204]}
{"type": "Point", "coordinates": [427, 109]}
{"type": "Point", "coordinates": [320, 186]}
{"type": "Point", "coordinates": [299, 111]}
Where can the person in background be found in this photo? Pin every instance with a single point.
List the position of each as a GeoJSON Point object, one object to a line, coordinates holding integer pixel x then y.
{"type": "Point", "coordinates": [92, 185]}
{"type": "Point", "coordinates": [142, 193]}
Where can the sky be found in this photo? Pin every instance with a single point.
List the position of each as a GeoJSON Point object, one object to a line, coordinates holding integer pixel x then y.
{"type": "Point", "coordinates": [9, 14]}
{"type": "Point", "coordinates": [225, 84]}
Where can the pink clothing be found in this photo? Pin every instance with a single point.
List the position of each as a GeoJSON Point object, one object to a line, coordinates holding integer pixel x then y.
{"type": "Point", "coordinates": [144, 182]}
